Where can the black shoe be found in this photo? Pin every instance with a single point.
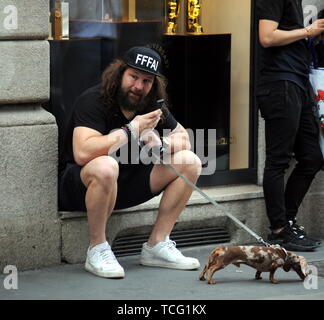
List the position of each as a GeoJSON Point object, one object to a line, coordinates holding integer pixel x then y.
{"type": "Point", "coordinates": [291, 240]}
{"type": "Point", "coordinates": [301, 231]}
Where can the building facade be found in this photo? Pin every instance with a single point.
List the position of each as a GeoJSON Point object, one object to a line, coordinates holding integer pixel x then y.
{"type": "Point", "coordinates": [33, 233]}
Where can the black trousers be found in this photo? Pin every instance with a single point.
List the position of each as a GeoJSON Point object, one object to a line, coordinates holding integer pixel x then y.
{"type": "Point", "coordinates": [290, 128]}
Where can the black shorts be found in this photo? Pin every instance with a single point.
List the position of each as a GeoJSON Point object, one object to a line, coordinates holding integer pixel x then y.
{"type": "Point", "coordinates": [133, 187]}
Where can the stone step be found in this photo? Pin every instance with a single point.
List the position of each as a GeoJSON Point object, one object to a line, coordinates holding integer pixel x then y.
{"type": "Point", "coordinates": [245, 202]}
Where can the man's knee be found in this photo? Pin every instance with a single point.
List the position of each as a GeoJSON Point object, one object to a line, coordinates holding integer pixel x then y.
{"type": "Point", "coordinates": [280, 161]}
{"type": "Point", "coordinates": [103, 170]}
{"type": "Point", "coordinates": [188, 161]}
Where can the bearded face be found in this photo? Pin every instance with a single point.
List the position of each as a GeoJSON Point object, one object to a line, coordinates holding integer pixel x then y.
{"type": "Point", "coordinates": [131, 102]}
{"type": "Point", "coordinates": [133, 94]}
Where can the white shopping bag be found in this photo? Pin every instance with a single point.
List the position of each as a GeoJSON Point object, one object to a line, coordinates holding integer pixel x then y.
{"type": "Point", "coordinates": [316, 78]}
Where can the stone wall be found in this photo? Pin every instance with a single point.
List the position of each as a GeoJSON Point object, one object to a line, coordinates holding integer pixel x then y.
{"type": "Point", "coordinates": [29, 225]}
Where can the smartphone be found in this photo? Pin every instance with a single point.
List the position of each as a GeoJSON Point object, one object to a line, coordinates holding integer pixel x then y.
{"type": "Point", "coordinates": [158, 105]}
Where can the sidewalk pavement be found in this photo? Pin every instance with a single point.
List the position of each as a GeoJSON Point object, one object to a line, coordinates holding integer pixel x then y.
{"type": "Point", "coordinates": [72, 282]}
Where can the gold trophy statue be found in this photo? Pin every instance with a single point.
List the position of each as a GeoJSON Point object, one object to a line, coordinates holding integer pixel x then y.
{"type": "Point", "coordinates": [193, 14]}
{"type": "Point", "coordinates": [173, 14]}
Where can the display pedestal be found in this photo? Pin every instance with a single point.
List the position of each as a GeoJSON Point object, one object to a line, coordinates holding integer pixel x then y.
{"type": "Point", "coordinates": [198, 71]}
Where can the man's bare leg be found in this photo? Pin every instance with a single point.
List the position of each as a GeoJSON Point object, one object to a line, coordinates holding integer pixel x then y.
{"type": "Point", "coordinates": [176, 193]}
{"type": "Point", "coordinates": [100, 177]}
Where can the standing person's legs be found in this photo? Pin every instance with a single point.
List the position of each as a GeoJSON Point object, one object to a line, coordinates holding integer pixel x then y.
{"type": "Point", "coordinates": [309, 159]}
{"type": "Point", "coordinates": [281, 111]}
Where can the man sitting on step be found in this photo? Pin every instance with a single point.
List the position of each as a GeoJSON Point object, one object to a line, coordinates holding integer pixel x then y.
{"type": "Point", "coordinates": [107, 120]}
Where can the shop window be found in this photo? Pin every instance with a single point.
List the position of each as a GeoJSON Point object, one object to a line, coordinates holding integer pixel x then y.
{"type": "Point", "coordinates": [209, 73]}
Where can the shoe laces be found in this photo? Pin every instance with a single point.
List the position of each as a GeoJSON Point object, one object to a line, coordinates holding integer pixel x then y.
{"type": "Point", "coordinates": [295, 226]}
{"type": "Point", "coordinates": [294, 233]}
{"type": "Point", "coordinates": [107, 256]}
{"type": "Point", "coordinates": [171, 245]}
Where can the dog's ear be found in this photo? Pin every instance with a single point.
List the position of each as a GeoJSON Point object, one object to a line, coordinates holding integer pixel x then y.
{"type": "Point", "coordinates": [303, 266]}
{"type": "Point", "coordinates": [284, 253]}
{"type": "Point", "coordinates": [287, 267]}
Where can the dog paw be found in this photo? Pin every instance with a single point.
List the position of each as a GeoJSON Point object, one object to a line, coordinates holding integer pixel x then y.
{"type": "Point", "coordinates": [274, 281]}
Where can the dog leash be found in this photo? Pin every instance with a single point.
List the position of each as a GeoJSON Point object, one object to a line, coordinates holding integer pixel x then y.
{"type": "Point", "coordinates": [158, 105]}
{"type": "Point", "coordinates": [208, 198]}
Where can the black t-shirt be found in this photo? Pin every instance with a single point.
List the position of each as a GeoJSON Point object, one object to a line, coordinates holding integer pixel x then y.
{"type": "Point", "coordinates": [90, 111]}
{"type": "Point", "coordinates": [290, 62]}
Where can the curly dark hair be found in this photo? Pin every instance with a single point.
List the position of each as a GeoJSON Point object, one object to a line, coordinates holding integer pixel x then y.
{"type": "Point", "coordinates": [111, 82]}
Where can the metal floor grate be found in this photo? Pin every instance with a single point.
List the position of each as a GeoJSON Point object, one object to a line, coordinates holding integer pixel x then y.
{"type": "Point", "coordinates": [132, 245]}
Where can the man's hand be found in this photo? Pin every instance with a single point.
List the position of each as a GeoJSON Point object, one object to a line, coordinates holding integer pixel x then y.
{"type": "Point", "coordinates": [146, 121]}
{"type": "Point", "coordinates": [316, 29]}
{"type": "Point", "coordinates": [150, 138]}
{"type": "Point", "coordinates": [178, 139]}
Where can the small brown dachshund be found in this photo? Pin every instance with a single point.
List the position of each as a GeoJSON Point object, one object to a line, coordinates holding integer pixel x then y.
{"type": "Point", "coordinates": [263, 259]}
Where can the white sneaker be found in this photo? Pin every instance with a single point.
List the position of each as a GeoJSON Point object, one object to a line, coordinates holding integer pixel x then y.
{"type": "Point", "coordinates": [166, 255]}
{"type": "Point", "coordinates": [102, 262]}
